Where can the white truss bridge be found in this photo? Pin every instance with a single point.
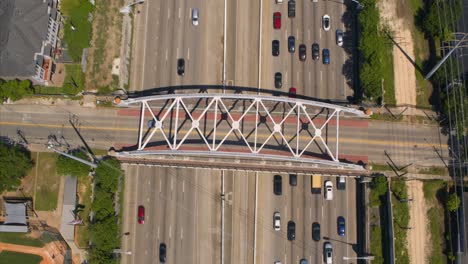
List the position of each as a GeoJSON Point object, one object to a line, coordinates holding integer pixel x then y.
{"type": "Point", "coordinates": [240, 125]}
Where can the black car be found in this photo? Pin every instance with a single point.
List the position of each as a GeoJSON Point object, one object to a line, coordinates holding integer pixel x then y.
{"type": "Point", "coordinates": [275, 46]}
{"type": "Point", "coordinates": [315, 51]}
{"type": "Point", "coordinates": [316, 231]}
{"type": "Point", "coordinates": [293, 179]}
{"type": "Point", "coordinates": [291, 8]}
{"type": "Point", "coordinates": [302, 52]}
{"type": "Point", "coordinates": [341, 183]}
{"type": "Point", "coordinates": [162, 252]}
{"type": "Point", "coordinates": [277, 185]}
{"type": "Point", "coordinates": [181, 67]}
{"type": "Point", "coordinates": [326, 56]}
{"type": "Point", "coordinates": [291, 44]}
{"type": "Point", "coordinates": [291, 230]}
{"type": "Point", "coordinates": [278, 80]}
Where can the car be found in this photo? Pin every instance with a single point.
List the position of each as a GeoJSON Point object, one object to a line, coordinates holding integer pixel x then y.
{"type": "Point", "coordinates": [341, 183]}
{"type": "Point", "coordinates": [326, 56]}
{"type": "Point", "coordinates": [328, 190]}
{"type": "Point", "coordinates": [151, 123]}
{"type": "Point", "coordinates": [275, 47]}
{"type": "Point", "coordinates": [195, 16]}
{"type": "Point", "coordinates": [291, 44]}
{"type": "Point", "coordinates": [340, 222]}
{"type": "Point", "coordinates": [181, 67]}
{"type": "Point", "coordinates": [326, 22]}
{"type": "Point", "coordinates": [278, 80]}
{"type": "Point", "coordinates": [291, 230]}
{"type": "Point", "coordinates": [276, 221]}
{"type": "Point", "coordinates": [303, 261]}
{"type": "Point", "coordinates": [302, 52]}
{"type": "Point", "coordinates": [291, 8]}
{"type": "Point", "coordinates": [316, 231]}
{"type": "Point", "coordinates": [339, 37]}
{"type": "Point", "coordinates": [141, 214]}
{"type": "Point", "coordinates": [292, 92]}
{"type": "Point", "coordinates": [278, 2]}
{"type": "Point", "coordinates": [292, 177]}
{"type": "Point", "coordinates": [277, 185]}
{"type": "Point", "coordinates": [162, 253]}
{"type": "Point", "coordinates": [315, 51]}
{"type": "Point", "coordinates": [277, 20]}
{"type": "Point", "coordinates": [328, 252]}
{"type": "Point", "coordinates": [277, 262]}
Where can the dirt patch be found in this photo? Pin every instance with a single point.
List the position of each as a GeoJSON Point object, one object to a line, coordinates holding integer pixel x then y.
{"type": "Point", "coordinates": [105, 44]}
{"type": "Point", "coordinates": [403, 51]}
{"type": "Point", "coordinates": [58, 77]}
{"type": "Point", "coordinates": [417, 235]}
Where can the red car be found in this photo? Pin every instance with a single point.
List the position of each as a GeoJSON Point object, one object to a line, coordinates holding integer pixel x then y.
{"type": "Point", "coordinates": [141, 214]}
{"type": "Point", "coordinates": [292, 92]}
{"type": "Point", "coordinates": [277, 20]}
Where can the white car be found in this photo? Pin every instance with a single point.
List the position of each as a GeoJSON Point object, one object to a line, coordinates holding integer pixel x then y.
{"type": "Point", "coordinates": [339, 37]}
{"type": "Point", "coordinates": [326, 22]}
{"type": "Point", "coordinates": [328, 190]}
{"type": "Point", "coordinates": [328, 252]}
{"type": "Point", "coordinates": [195, 16]}
{"type": "Point", "coordinates": [278, 2]}
{"type": "Point", "coordinates": [277, 221]}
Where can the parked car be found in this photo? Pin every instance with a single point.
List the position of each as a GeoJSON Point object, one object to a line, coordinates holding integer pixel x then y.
{"type": "Point", "coordinates": [292, 177]}
{"type": "Point", "coordinates": [291, 8]}
{"type": "Point", "coordinates": [277, 20]}
{"type": "Point", "coordinates": [341, 183]}
{"type": "Point", "coordinates": [302, 52]}
{"type": "Point", "coordinates": [326, 56]}
{"type": "Point", "coordinates": [278, 2]}
{"type": "Point", "coordinates": [291, 230]}
{"type": "Point", "coordinates": [339, 37]}
{"type": "Point", "coordinates": [278, 80]}
{"type": "Point", "coordinates": [315, 51]}
{"type": "Point", "coordinates": [275, 47]}
{"type": "Point", "coordinates": [328, 190]}
{"type": "Point", "coordinates": [303, 261]}
{"type": "Point", "coordinates": [328, 252]}
{"type": "Point", "coordinates": [291, 44]}
{"type": "Point", "coordinates": [316, 231]}
{"type": "Point", "coordinates": [195, 16]}
{"type": "Point", "coordinates": [162, 253]}
{"type": "Point", "coordinates": [326, 22]}
{"type": "Point", "coordinates": [340, 221]}
{"type": "Point", "coordinates": [277, 221]}
{"type": "Point", "coordinates": [141, 214]}
{"type": "Point", "coordinates": [277, 185]}
{"type": "Point", "coordinates": [292, 92]}
{"type": "Point", "coordinates": [181, 67]}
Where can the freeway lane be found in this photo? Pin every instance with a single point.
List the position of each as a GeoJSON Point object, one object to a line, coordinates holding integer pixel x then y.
{"type": "Point", "coordinates": [103, 128]}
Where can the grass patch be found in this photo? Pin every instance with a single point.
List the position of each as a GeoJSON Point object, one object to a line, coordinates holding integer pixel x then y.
{"type": "Point", "coordinates": [386, 117]}
{"type": "Point", "coordinates": [430, 189]}
{"type": "Point", "coordinates": [435, 223]}
{"type": "Point", "coordinates": [376, 245]}
{"type": "Point", "coordinates": [77, 16]}
{"type": "Point", "coordinates": [16, 257]}
{"type": "Point", "coordinates": [72, 85]}
{"type": "Point", "coordinates": [400, 220]}
{"type": "Point", "coordinates": [84, 194]}
{"type": "Point", "coordinates": [380, 167]}
{"type": "Point", "coordinates": [388, 77]}
{"type": "Point", "coordinates": [48, 182]}
{"type": "Point", "coordinates": [20, 239]}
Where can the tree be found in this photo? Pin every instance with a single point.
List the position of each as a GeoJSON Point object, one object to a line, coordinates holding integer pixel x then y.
{"type": "Point", "coordinates": [453, 202]}
{"type": "Point", "coordinates": [68, 166]}
{"type": "Point", "coordinates": [15, 89]}
{"type": "Point", "coordinates": [107, 174]}
{"type": "Point", "coordinates": [379, 184]}
{"type": "Point", "coordinates": [15, 163]}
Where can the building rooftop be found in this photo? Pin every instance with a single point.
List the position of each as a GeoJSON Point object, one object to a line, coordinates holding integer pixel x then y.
{"type": "Point", "coordinates": [24, 27]}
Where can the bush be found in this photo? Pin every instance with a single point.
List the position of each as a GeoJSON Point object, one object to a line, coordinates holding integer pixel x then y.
{"type": "Point", "coordinates": [378, 188]}
{"type": "Point", "coordinates": [435, 16]}
{"type": "Point", "coordinates": [453, 202]}
{"type": "Point", "coordinates": [15, 89]}
{"type": "Point", "coordinates": [15, 163]}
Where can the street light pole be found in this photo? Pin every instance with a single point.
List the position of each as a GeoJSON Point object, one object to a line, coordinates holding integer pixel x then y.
{"type": "Point", "coordinates": [126, 9]}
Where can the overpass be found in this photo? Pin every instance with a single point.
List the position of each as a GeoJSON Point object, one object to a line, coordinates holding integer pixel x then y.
{"type": "Point", "coordinates": [240, 127]}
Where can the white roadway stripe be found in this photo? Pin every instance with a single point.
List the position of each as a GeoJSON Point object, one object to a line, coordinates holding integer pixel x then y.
{"type": "Point", "coordinates": [297, 32]}
{"type": "Point", "coordinates": [160, 185]}
{"type": "Point", "coordinates": [320, 33]}
{"type": "Point", "coordinates": [177, 53]}
{"type": "Point", "coordinates": [308, 33]}
{"type": "Point", "coordinates": [188, 53]}
{"type": "Point", "coordinates": [170, 230]}
{"type": "Point", "coordinates": [168, 14]}
{"type": "Point", "coordinates": [321, 76]}
{"type": "Point", "coordinates": [166, 54]}
{"type": "Point", "coordinates": [179, 12]}
{"type": "Point", "coordinates": [297, 78]}
{"type": "Point", "coordinates": [181, 233]}
{"type": "Point", "coordinates": [183, 186]}
{"type": "Point", "coordinates": [158, 232]}
{"type": "Point", "coordinates": [172, 183]}
{"type": "Point", "coordinates": [310, 213]}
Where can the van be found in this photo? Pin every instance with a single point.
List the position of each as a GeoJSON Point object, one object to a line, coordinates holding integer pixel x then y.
{"type": "Point", "coordinates": [195, 16]}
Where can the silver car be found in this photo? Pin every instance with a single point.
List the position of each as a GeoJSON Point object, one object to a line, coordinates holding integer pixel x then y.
{"type": "Point", "coordinates": [195, 16]}
{"type": "Point", "coordinates": [277, 221]}
{"type": "Point", "coordinates": [328, 252]}
{"type": "Point", "coordinates": [339, 37]}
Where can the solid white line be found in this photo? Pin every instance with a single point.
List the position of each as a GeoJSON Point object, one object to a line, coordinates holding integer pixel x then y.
{"type": "Point", "coordinates": [224, 43]}
{"type": "Point", "coordinates": [144, 48]}
{"type": "Point", "coordinates": [320, 34]}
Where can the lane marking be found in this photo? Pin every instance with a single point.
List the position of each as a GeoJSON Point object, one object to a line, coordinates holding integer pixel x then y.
{"type": "Point", "coordinates": [179, 13]}
{"type": "Point", "coordinates": [166, 54]}
{"type": "Point", "coordinates": [158, 232]}
{"type": "Point", "coordinates": [308, 34]}
{"type": "Point", "coordinates": [170, 229]}
{"type": "Point", "coordinates": [177, 53]}
{"type": "Point", "coordinates": [188, 53]}
{"type": "Point", "coordinates": [181, 233]}
{"type": "Point", "coordinates": [160, 185]}
{"type": "Point", "coordinates": [172, 183]}
{"type": "Point", "coordinates": [320, 33]}
{"type": "Point", "coordinates": [321, 76]}
{"type": "Point", "coordinates": [297, 77]}
{"type": "Point", "coordinates": [183, 186]}
{"type": "Point", "coordinates": [309, 77]}
{"type": "Point", "coordinates": [168, 14]}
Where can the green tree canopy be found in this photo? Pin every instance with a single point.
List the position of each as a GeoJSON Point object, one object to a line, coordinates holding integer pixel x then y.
{"type": "Point", "coordinates": [107, 174]}
{"type": "Point", "coordinates": [15, 89]}
{"type": "Point", "coordinates": [379, 185]}
{"type": "Point", "coordinates": [453, 202]}
{"type": "Point", "coordinates": [15, 163]}
{"type": "Point", "coordinates": [68, 166]}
